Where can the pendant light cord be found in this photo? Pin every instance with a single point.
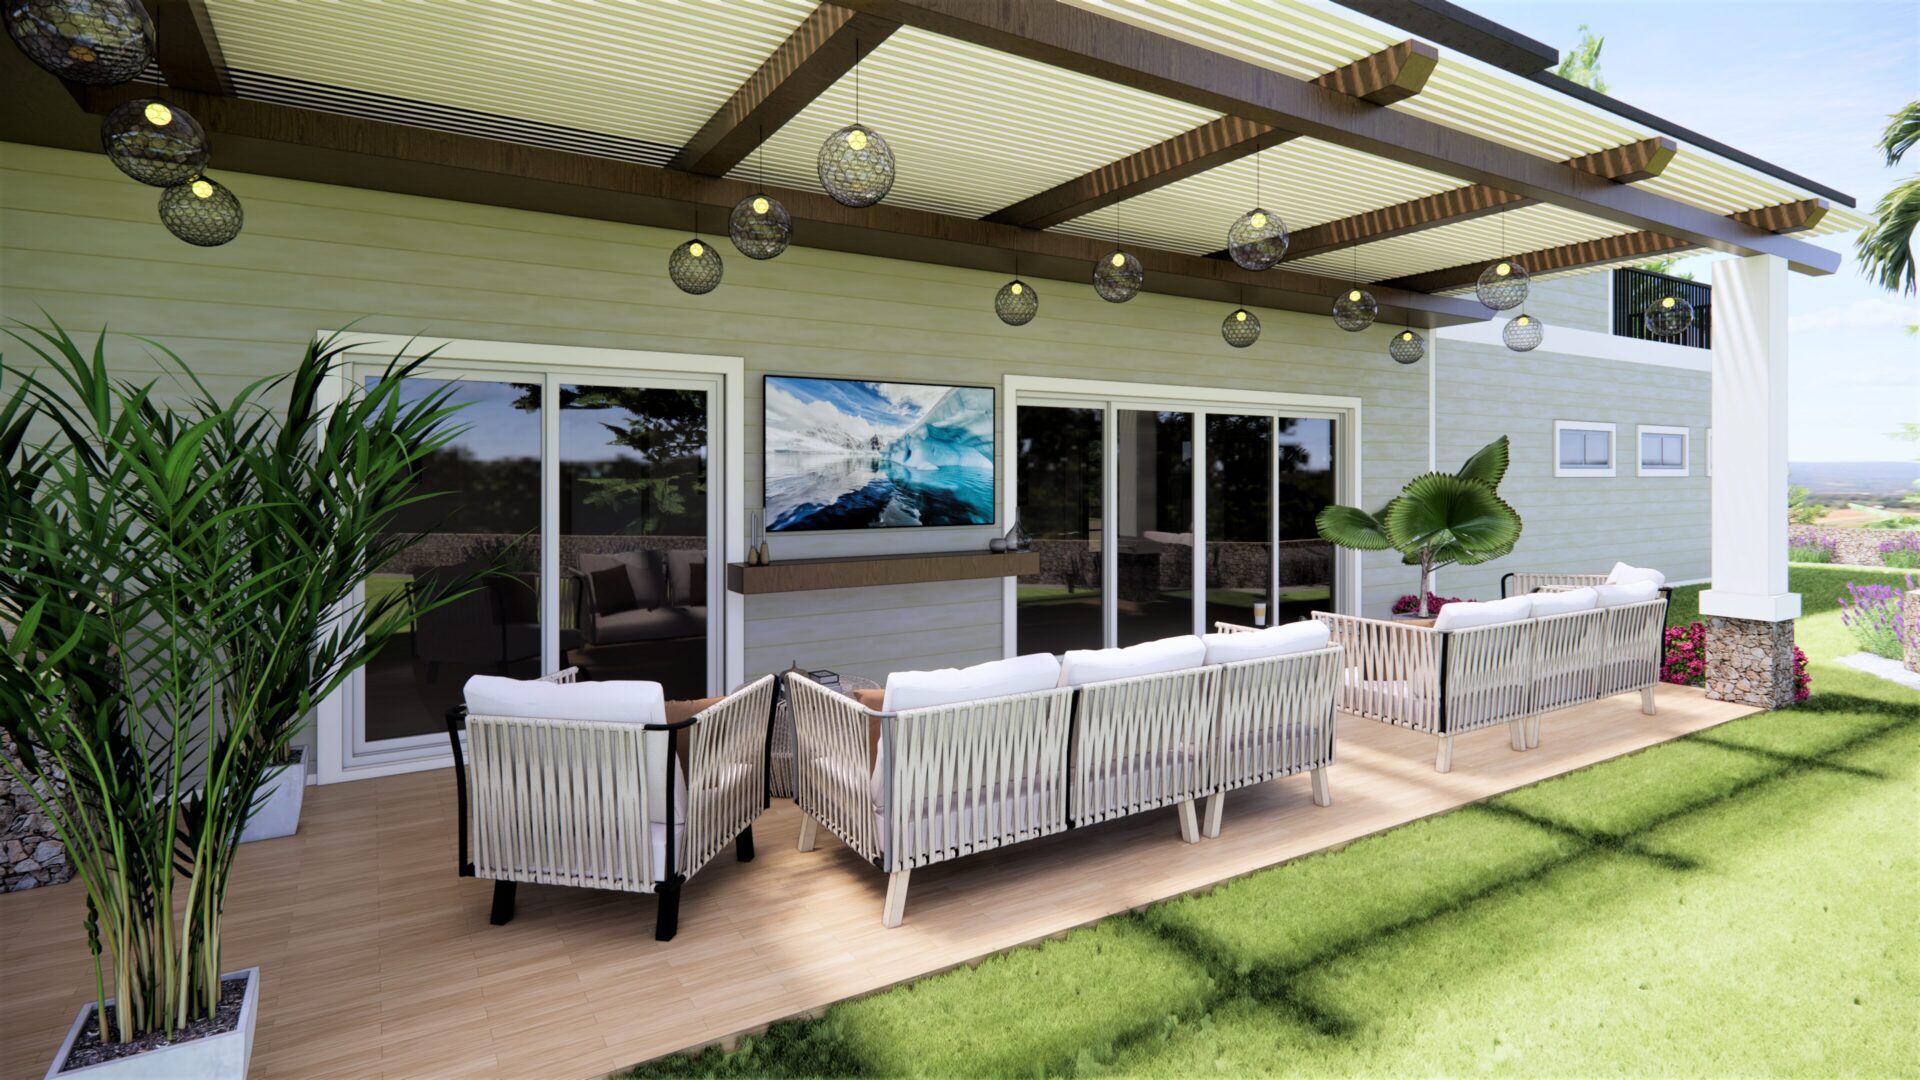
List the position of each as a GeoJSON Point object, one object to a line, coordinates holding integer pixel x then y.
{"type": "Point", "coordinates": [856, 80]}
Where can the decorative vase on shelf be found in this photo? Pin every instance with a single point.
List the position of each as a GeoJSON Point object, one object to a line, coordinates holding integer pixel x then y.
{"type": "Point", "coordinates": [997, 545]}
{"type": "Point", "coordinates": [756, 537]}
{"type": "Point", "coordinates": [1017, 538]}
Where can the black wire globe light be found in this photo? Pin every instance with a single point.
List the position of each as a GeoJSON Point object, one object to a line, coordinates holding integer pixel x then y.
{"type": "Point", "coordinates": [95, 42]}
{"type": "Point", "coordinates": [1016, 303]}
{"type": "Point", "coordinates": [759, 226]}
{"type": "Point", "coordinates": [1355, 310]}
{"type": "Point", "coordinates": [1257, 240]}
{"type": "Point", "coordinates": [201, 212]}
{"type": "Point", "coordinates": [1503, 285]}
{"type": "Point", "coordinates": [1669, 316]}
{"type": "Point", "coordinates": [1407, 347]}
{"type": "Point", "coordinates": [856, 164]}
{"type": "Point", "coordinates": [154, 143]}
{"type": "Point", "coordinates": [1117, 277]}
{"type": "Point", "coordinates": [1241, 328]}
{"type": "Point", "coordinates": [695, 267]}
{"type": "Point", "coordinates": [1523, 333]}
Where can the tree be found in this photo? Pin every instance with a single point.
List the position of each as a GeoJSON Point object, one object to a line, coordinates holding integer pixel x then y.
{"type": "Point", "coordinates": [1582, 62]}
{"type": "Point", "coordinates": [1886, 249]}
{"type": "Point", "coordinates": [1801, 509]}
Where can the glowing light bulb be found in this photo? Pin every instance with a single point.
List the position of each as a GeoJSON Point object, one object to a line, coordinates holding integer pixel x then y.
{"type": "Point", "coordinates": [1408, 336]}
{"type": "Point", "coordinates": [1118, 259]}
{"type": "Point", "coordinates": [1503, 269]}
{"type": "Point", "coordinates": [1016, 289]}
{"type": "Point", "coordinates": [857, 139]}
{"type": "Point", "coordinates": [697, 250]}
{"type": "Point", "coordinates": [158, 115]}
{"type": "Point", "coordinates": [1524, 320]}
{"type": "Point", "coordinates": [1259, 220]}
{"type": "Point", "coordinates": [202, 189]}
{"type": "Point", "coordinates": [1354, 295]}
{"type": "Point", "coordinates": [1239, 316]}
{"type": "Point", "coordinates": [760, 204]}
{"type": "Point", "coordinates": [1668, 302]}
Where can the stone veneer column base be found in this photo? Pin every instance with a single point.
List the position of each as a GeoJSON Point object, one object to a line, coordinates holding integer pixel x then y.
{"type": "Point", "coordinates": [1750, 662]}
{"type": "Point", "coordinates": [1910, 611]}
{"type": "Point", "coordinates": [30, 854]}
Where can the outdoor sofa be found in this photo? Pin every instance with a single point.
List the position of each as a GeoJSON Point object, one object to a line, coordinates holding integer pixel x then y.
{"type": "Point", "coordinates": [605, 785]}
{"type": "Point", "coordinates": [948, 763]}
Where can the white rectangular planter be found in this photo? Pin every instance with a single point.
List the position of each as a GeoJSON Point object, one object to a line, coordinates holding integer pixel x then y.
{"type": "Point", "coordinates": [282, 793]}
{"type": "Point", "coordinates": [217, 1057]}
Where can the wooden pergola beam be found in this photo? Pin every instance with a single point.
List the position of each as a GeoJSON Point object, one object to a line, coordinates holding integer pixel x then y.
{"type": "Point", "coordinates": [305, 144]}
{"type": "Point", "coordinates": [1094, 44]}
{"type": "Point", "coordinates": [1565, 257]}
{"type": "Point", "coordinates": [189, 50]}
{"type": "Point", "coordinates": [822, 49]}
{"type": "Point", "coordinates": [1395, 73]}
{"type": "Point", "coordinates": [1785, 217]}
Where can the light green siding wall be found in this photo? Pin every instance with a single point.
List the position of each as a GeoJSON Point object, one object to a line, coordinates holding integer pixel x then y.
{"type": "Point", "coordinates": [1580, 302]}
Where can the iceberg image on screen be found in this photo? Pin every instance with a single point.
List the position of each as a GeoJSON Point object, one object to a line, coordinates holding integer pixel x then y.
{"type": "Point", "coordinates": [845, 454]}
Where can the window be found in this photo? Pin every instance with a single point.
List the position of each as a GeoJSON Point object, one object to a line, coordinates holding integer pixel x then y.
{"type": "Point", "coordinates": [1663, 451]}
{"type": "Point", "coordinates": [1585, 448]}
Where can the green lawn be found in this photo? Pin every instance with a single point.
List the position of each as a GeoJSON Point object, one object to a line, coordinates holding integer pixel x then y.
{"type": "Point", "coordinates": [1820, 586]}
{"type": "Point", "coordinates": [1740, 902]}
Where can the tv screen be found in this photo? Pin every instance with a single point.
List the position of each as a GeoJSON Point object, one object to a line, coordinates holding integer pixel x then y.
{"type": "Point", "coordinates": [845, 454]}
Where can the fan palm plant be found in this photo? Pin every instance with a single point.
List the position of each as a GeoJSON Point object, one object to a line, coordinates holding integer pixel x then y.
{"type": "Point", "coordinates": [1886, 249]}
{"type": "Point", "coordinates": [1437, 520]}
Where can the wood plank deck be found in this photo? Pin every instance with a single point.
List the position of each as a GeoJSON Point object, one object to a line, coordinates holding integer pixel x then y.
{"type": "Point", "coordinates": [377, 961]}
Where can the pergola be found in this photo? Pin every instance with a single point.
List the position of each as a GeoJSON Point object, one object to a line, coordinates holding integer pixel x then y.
{"type": "Point", "coordinates": [1406, 143]}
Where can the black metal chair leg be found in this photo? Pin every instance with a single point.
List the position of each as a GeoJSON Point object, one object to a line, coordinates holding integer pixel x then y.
{"type": "Point", "coordinates": [743, 845]}
{"type": "Point", "coordinates": [502, 902]}
{"type": "Point", "coordinates": [667, 922]}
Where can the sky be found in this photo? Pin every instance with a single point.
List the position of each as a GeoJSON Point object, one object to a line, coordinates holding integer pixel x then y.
{"type": "Point", "coordinates": [1807, 86]}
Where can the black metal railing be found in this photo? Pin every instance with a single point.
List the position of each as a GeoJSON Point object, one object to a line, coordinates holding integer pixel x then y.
{"type": "Point", "coordinates": [1634, 289]}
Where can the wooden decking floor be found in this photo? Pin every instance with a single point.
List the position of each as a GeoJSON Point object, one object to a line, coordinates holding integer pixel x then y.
{"type": "Point", "coordinates": [378, 961]}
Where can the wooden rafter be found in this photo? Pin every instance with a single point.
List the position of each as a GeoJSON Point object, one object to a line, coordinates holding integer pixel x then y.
{"type": "Point", "coordinates": [814, 57]}
{"type": "Point", "coordinates": [1565, 257]}
{"type": "Point", "coordinates": [1094, 44]}
{"type": "Point", "coordinates": [189, 50]}
{"type": "Point", "coordinates": [1785, 217]}
{"type": "Point", "coordinates": [1395, 73]}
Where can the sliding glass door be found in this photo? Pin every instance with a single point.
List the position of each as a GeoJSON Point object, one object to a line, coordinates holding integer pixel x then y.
{"type": "Point", "coordinates": [1061, 485]}
{"type": "Point", "coordinates": [1154, 527]}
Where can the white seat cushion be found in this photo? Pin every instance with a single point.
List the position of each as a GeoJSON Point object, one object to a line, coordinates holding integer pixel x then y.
{"type": "Point", "coordinates": [948, 686]}
{"type": "Point", "coordinates": [1273, 641]}
{"type": "Point", "coordinates": [1622, 574]}
{"type": "Point", "coordinates": [1467, 614]}
{"type": "Point", "coordinates": [1083, 666]}
{"type": "Point", "coordinates": [1638, 592]}
{"type": "Point", "coordinates": [1563, 603]}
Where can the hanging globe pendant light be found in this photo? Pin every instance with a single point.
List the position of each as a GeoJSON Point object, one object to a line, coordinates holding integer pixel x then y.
{"type": "Point", "coordinates": [93, 42]}
{"type": "Point", "coordinates": [1669, 316]}
{"type": "Point", "coordinates": [1117, 277]}
{"type": "Point", "coordinates": [759, 226]}
{"type": "Point", "coordinates": [856, 164]}
{"type": "Point", "coordinates": [1503, 285]}
{"type": "Point", "coordinates": [1407, 347]}
{"type": "Point", "coordinates": [695, 267]}
{"type": "Point", "coordinates": [1016, 303]}
{"type": "Point", "coordinates": [1523, 333]}
{"type": "Point", "coordinates": [201, 212]}
{"type": "Point", "coordinates": [1355, 310]}
{"type": "Point", "coordinates": [1257, 240]}
{"type": "Point", "coordinates": [1241, 328]}
{"type": "Point", "coordinates": [154, 143]}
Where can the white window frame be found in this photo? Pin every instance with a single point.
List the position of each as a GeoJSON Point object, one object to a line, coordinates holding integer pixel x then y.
{"type": "Point", "coordinates": [1613, 448]}
{"type": "Point", "coordinates": [1685, 468]}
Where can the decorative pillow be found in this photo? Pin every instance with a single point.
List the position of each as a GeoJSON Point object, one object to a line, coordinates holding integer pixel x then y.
{"type": "Point", "coordinates": [612, 591]}
{"type": "Point", "coordinates": [947, 686]}
{"type": "Point", "coordinates": [1467, 614]}
{"type": "Point", "coordinates": [1083, 666]}
{"type": "Point", "coordinates": [1622, 574]}
{"type": "Point", "coordinates": [686, 577]}
{"type": "Point", "coordinates": [1638, 592]}
{"type": "Point", "coordinates": [1274, 641]}
{"type": "Point", "coordinates": [1563, 603]}
{"type": "Point", "coordinates": [646, 572]}
{"type": "Point", "coordinates": [626, 702]}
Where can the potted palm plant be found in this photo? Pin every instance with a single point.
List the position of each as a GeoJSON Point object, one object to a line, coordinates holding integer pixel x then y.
{"type": "Point", "coordinates": [1437, 520]}
{"type": "Point", "coordinates": [176, 592]}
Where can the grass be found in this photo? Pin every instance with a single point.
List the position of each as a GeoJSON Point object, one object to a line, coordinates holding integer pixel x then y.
{"type": "Point", "coordinates": [1742, 901]}
{"type": "Point", "coordinates": [1820, 587]}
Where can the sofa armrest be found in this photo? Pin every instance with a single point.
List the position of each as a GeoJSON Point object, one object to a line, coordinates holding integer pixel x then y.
{"type": "Point", "coordinates": [832, 773]}
{"type": "Point", "coordinates": [727, 769]}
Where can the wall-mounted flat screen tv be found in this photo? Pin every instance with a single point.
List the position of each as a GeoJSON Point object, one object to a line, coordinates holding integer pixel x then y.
{"type": "Point", "coordinates": [845, 454]}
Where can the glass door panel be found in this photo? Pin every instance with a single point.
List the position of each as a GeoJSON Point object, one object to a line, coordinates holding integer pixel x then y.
{"type": "Point", "coordinates": [1307, 483]}
{"type": "Point", "coordinates": [633, 535]}
{"type": "Point", "coordinates": [1153, 514]}
{"type": "Point", "coordinates": [490, 473]}
{"type": "Point", "coordinates": [1060, 489]}
{"type": "Point", "coordinates": [1239, 519]}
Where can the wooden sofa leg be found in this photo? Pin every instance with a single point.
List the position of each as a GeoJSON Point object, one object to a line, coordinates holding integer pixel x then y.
{"type": "Point", "coordinates": [502, 902]}
{"type": "Point", "coordinates": [743, 845]}
{"type": "Point", "coordinates": [1189, 823]}
{"type": "Point", "coordinates": [1517, 734]}
{"type": "Point", "coordinates": [1646, 702]}
{"type": "Point", "coordinates": [1216, 807]}
{"type": "Point", "coordinates": [808, 830]}
{"type": "Point", "coordinates": [1443, 762]}
{"type": "Point", "coordinates": [666, 922]}
{"type": "Point", "coordinates": [896, 909]}
{"type": "Point", "coordinates": [1321, 796]}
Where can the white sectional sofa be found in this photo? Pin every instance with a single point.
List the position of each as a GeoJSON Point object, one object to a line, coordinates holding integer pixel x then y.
{"type": "Point", "coordinates": [965, 760]}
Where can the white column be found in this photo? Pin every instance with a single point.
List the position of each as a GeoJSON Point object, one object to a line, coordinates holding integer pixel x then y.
{"type": "Point", "coordinates": [1750, 442]}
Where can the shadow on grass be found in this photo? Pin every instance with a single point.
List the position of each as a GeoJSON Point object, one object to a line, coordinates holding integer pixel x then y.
{"type": "Point", "coordinates": [823, 1047]}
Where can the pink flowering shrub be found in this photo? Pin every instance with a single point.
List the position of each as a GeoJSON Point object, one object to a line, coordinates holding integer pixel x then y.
{"type": "Point", "coordinates": [1685, 655]}
{"type": "Point", "coordinates": [1802, 681]}
{"type": "Point", "coordinates": [1409, 604]}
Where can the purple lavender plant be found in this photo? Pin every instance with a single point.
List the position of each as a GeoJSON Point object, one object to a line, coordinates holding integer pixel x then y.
{"type": "Point", "coordinates": [1872, 614]}
{"type": "Point", "coordinates": [1902, 552]}
{"type": "Point", "coordinates": [1815, 549]}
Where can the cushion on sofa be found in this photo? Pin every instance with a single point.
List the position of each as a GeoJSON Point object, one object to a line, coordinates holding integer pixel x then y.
{"type": "Point", "coordinates": [640, 624]}
{"type": "Point", "coordinates": [1638, 592]}
{"type": "Point", "coordinates": [1273, 641]}
{"type": "Point", "coordinates": [686, 577]}
{"type": "Point", "coordinates": [1083, 666]}
{"type": "Point", "coordinates": [1467, 614]}
{"type": "Point", "coordinates": [646, 572]}
{"type": "Point", "coordinates": [948, 686]}
{"type": "Point", "coordinates": [612, 591]}
{"type": "Point", "coordinates": [1622, 574]}
{"type": "Point", "coordinates": [617, 701]}
{"type": "Point", "coordinates": [1564, 603]}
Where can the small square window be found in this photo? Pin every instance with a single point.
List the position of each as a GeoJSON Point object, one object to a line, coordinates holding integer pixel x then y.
{"type": "Point", "coordinates": [1584, 448]}
{"type": "Point", "coordinates": [1663, 451]}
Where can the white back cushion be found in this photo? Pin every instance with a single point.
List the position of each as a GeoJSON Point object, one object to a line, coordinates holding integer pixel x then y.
{"type": "Point", "coordinates": [948, 686]}
{"type": "Point", "coordinates": [1083, 666]}
{"type": "Point", "coordinates": [1622, 574]}
{"type": "Point", "coordinates": [1467, 614]}
{"type": "Point", "coordinates": [1273, 641]}
{"type": "Point", "coordinates": [1562, 603]}
{"type": "Point", "coordinates": [1636, 593]}
{"type": "Point", "coordinates": [616, 701]}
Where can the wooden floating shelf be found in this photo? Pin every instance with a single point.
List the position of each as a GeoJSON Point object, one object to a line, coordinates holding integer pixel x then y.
{"type": "Point", "coordinates": [860, 571]}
